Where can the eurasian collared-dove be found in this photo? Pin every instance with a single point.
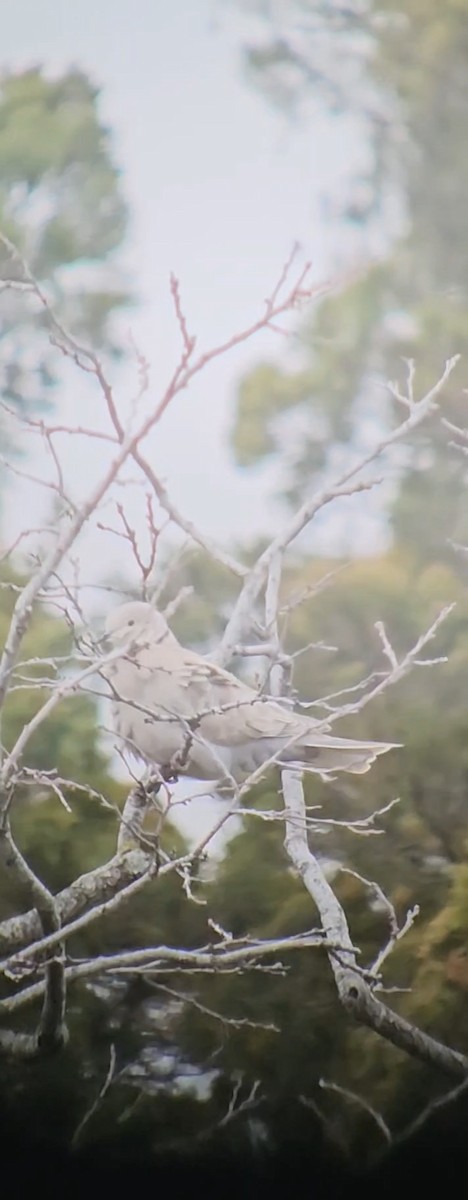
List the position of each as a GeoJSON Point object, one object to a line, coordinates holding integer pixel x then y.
{"type": "Point", "coordinates": [187, 716]}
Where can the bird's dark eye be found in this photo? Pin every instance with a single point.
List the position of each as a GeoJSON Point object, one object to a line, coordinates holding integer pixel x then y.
{"type": "Point", "coordinates": [131, 622]}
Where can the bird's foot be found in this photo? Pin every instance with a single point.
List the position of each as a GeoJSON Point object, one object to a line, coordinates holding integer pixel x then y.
{"type": "Point", "coordinates": [152, 784]}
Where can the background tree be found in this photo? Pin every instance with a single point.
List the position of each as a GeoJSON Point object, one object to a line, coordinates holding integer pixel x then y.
{"type": "Point", "coordinates": [61, 204]}
{"type": "Point", "coordinates": [197, 1043]}
{"type": "Point", "coordinates": [81, 923]}
{"type": "Point", "coordinates": [395, 78]}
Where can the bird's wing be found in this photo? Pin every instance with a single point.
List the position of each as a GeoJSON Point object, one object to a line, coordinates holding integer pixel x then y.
{"type": "Point", "coordinates": [175, 683]}
{"type": "Point", "coordinates": [229, 711]}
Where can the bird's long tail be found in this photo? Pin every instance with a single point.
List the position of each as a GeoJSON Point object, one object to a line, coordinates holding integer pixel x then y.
{"type": "Point", "coordinates": [325, 753]}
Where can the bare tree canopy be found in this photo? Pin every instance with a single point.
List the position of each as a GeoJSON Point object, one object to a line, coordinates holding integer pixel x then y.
{"type": "Point", "coordinates": [36, 961]}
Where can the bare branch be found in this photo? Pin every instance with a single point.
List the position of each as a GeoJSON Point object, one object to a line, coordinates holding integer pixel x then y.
{"type": "Point", "coordinates": [234, 1022]}
{"type": "Point", "coordinates": [129, 443]}
{"type": "Point", "coordinates": [354, 993]}
{"type": "Point", "coordinates": [25, 961]}
{"type": "Point", "coordinates": [78, 1134]}
{"type": "Point", "coordinates": [52, 1031]}
{"type": "Point", "coordinates": [362, 1103]}
{"type": "Point", "coordinates": [239, 620]}
{"type": "Point", "coordinates": [152, 959]}
{"type": "Point", "coordinates": [33, 944]}
{"type": "Point", "coordinates": [88, 890]}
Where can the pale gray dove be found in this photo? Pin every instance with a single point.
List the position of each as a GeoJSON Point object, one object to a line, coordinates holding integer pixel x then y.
{"type": "Point", "coordinates": [187, 716]}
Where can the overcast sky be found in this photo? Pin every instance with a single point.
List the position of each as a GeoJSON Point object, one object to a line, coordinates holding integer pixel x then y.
{"type": "Point", "coordinates": [219, 188]}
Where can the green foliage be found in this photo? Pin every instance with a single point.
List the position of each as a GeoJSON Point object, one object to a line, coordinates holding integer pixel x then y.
{"type": "Point", "coordinates": [69, 738]}
{"type": "Point", "coordinates": [413, 305]}
{"type": "Point", "coordinates": [61, 205]}
{"type": "Point", "coordinates": [321, 393]}
{"type": "Point", "coordinates": [419, 859]}
{"type": "Point", "coordinates": [54, 150]}
{"type": "Point", "coordinates": [60, 844]}
{"type": "Point", "coordinates": [411, 103]}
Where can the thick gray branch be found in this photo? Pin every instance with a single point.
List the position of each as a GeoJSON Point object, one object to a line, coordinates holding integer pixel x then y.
{"type": "Point", "coordinates": [354, 993]}
{"type": "Point", "coordinates": [52, 1032]}
{"type": "Point", "coordinates": [86, 892]}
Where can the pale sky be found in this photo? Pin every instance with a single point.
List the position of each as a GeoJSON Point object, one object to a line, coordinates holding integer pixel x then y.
{"type": "Point", "coordinates": [219, 187]}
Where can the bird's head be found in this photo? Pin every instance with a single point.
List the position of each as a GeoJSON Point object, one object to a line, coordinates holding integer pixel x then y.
{"type": "Point", "coordinates": [137, 621]}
